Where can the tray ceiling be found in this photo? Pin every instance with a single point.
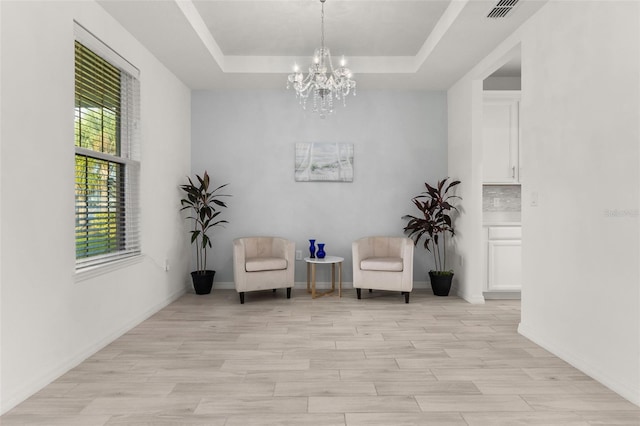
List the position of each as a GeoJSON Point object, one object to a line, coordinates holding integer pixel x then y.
{"type": "Point", "coordinates": [420, 44]}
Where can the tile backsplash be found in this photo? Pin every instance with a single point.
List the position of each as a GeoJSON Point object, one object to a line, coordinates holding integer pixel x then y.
{"type": "Point", "coordinates": [501, 198]}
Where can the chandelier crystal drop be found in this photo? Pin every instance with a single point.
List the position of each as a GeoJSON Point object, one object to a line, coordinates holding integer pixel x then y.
{"type": "Point", "coordinates": [323, 84]}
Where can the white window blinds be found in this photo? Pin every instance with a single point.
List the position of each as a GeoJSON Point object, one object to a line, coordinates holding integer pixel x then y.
{"type": "Point", "coordinates": [107, 164]}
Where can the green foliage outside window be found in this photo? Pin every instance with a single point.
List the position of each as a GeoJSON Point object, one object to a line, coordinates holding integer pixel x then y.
{"type": "Point", "coordinates": [99, 181]}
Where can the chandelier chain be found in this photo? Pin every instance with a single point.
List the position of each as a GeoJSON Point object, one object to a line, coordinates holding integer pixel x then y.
{"type": "Point", "coordinates": [322, 25]}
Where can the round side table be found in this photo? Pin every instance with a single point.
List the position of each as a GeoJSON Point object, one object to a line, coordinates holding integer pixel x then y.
{"type": "Point", "coordinates": [311, 274]}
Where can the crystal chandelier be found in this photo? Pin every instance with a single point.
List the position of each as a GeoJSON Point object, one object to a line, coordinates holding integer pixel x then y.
{"type": "Point", "coordinates": [323, 83]}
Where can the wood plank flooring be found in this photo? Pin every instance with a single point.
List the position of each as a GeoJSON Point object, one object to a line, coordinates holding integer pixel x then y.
{"type": "Point", "coordinates": [207, 360]}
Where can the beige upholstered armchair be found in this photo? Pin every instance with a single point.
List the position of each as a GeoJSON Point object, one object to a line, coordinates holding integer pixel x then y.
{"type": "Point", "coordinates": [263, 263]}
{"type": "Point", "coordinates": [383, 263]}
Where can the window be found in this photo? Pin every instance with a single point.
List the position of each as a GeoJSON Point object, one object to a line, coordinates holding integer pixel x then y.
{"type": "Point", "coordinates": [106, 161]}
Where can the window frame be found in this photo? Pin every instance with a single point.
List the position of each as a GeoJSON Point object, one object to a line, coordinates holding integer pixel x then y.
{"type": "Point", "coordinates": [128, 139]}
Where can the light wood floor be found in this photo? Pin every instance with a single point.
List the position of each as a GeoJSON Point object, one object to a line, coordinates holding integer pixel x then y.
{"type": "Point", "coordinates": [207, 360]}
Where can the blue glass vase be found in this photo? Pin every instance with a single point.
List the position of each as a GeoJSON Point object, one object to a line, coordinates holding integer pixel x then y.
{"type": "Point", "coordinates": [321, 254]}
{"type": "Point", "coordinates": [312, 249]}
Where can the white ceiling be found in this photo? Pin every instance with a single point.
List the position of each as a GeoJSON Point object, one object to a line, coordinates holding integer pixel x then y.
{"type": "Point", "coordinates": [418, 44]}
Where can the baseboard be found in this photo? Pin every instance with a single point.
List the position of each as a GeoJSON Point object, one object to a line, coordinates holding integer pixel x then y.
{"type": "Point", "coordinates": [230, 285]}
{"type": "Point", "coordinates": [502, 295]}
{"type": "Point", "coordinates": [630, 393]}
{"type": "Point", "coordinates": [34, 386]}
{"type": "Point", "coordinates": [476, 299]}
{"type": "Point", "coordinates": [223, 285]}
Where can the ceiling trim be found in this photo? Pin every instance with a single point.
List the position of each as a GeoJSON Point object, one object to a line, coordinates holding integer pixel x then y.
{"type": "Point", "coordinates": [440, 29]}
{"type": "Point", "coordinates": [194, 18]}
{"type": "Point", "coordinates": [285, 64]}
{"type": "Point", "coordinates": [180, 34]}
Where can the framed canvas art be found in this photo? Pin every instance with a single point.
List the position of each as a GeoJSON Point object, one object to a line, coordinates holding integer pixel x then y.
{"type": "Point", "coordinates": [324, 162]}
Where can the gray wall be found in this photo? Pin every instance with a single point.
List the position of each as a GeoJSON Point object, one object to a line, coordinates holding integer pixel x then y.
{"type": "Point", "coordinates": [247, 138]}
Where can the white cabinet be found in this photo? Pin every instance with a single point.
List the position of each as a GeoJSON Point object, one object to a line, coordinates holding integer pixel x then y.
{"type": "Point", "coordinates": [500, 137]}
{"type": "Point", "coordinates": [504, 258]}
{"type": "Point", "coordinates": [505, 265]}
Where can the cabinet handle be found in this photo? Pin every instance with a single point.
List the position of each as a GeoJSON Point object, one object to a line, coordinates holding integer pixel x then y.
{"type": "Point", "coordinates": [513, 172]}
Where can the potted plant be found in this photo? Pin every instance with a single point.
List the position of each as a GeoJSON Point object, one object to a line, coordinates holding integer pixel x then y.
{"type": "Point", "coordinates": [433, 225]}
{"type": "Point", "coordinates": [205, 208]}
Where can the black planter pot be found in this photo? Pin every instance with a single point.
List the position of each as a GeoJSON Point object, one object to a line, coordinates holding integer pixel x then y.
{"type": "Point", "coordinates": [202, 283]}
{"type": "Point", "coordinates": [440, 283]}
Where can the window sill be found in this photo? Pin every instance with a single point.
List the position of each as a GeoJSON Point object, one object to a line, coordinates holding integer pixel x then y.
{"type": "Point", "coordinates": [95, 271]}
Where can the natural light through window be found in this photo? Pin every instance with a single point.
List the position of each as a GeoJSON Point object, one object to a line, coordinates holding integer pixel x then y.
{"type": "Point", "coordinates": [106, 167]}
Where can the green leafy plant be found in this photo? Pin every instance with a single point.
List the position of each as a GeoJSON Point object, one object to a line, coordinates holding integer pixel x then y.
{"type": "Point", "coordinates": [205, 208]}
{"type": "Point", "coordinates": [436, 207]}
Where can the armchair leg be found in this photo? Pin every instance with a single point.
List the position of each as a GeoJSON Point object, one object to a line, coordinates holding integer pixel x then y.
{"type": "Point", "coordinates": [358, 293]}
{"type": "Point", "coordinates": [241, 294]}
{"type": "Point", "coordinates": [288, 292]}
{"type": "Point", "coordinates": [406, 296]}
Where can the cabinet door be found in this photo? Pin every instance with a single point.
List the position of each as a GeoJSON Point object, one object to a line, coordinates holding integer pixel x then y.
{"type": "Point", "coordinates": [500, 141]}
{"type": "Point", "coordinates": [505, 265]}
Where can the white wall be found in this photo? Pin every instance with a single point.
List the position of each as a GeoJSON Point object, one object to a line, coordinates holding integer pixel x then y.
{"type": "Point", "coordinates": [579, 129]}
{"type": "Point", "coordinates": [465, 106]}
{"type": "Point", "coordinates": [465, 101]}
{"type": "Point", "coordinates": [581, 155]}
{"type": "Point", "coordinates": [502, 83]}
{"type": "Point", "coordinates": [1, 223]}
{"type": "Point", "coordinates": [51, 321]}
{"type": "Point", "coordinates": [247, 138]}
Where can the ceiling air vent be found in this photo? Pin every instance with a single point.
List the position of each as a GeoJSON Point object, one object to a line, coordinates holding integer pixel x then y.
{"type": "Point", "coordinates": [502, 9]}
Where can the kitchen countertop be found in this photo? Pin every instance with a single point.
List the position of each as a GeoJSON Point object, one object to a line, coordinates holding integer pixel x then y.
{"type": "Point", "coordinates": [501, 219]}
{"type": "Point", "coordinates": [501, 223]}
